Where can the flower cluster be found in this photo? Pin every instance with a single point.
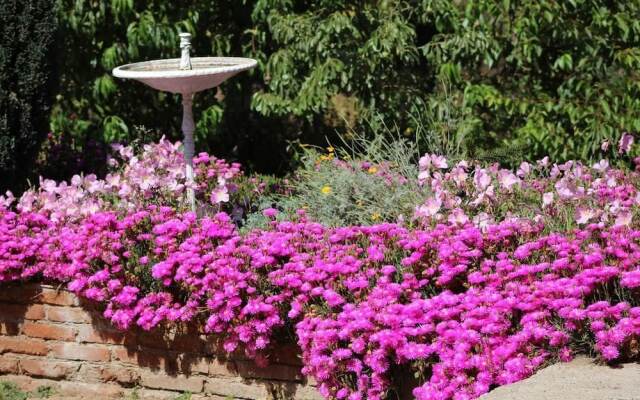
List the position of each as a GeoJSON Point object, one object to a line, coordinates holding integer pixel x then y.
{"type": "Point", "coordinates": [155, 176]}
{"type": "Point", "coordinates": [465, 304]}
{"type": "Point", "coordinates": [571, 192]}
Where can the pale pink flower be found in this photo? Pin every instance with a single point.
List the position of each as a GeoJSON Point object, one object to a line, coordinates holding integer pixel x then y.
{"type": "Point", "coordinates": [429, 208]}
{"type": "Point", "coordinates": [507, 179]}
{"type": "Point", "coordinates": [524, 169]}
{"type": "Point", "coordinates": [624, 218]}
{"type": "Point", "coordinates": [25, 204]}
{"type": "Point", "coordinates": [544, 162]}
{"type": "Point", "coordinates": [566, 189]}
{"type": "Point", "coordinates": [547, 199]}
{"type": "Point", "coordinates": [625, 143]}
{"type": "Point", "coordinates": [425, 161]}
{"type": "Point", "coordinates": [481, 179]}
{"type": "Point", "coordinates": [423, 176]}
{"type": "Point", "coordinates": [482, 220]}
{"type": "Point", "coordinates": [220, 195]}
{"type": "Point", "coordinates": [463, 164]}
{"type": "Point", "coordinates": [584, 215]}
{"type": "Point", "coordinates": [48, 185]}
{"type": "Point", "coordinates": [601, 166]}
{"type": "Point", "coordinates": [7, 199]}
{"type": "Point", "coordinates": [439, 162]}
{"type": "Point", "coordinates": [458, 217]}
{"type": "Point", "coordinates": [459, 176]}
{"type": "Point", "coordinates": [605, 145]}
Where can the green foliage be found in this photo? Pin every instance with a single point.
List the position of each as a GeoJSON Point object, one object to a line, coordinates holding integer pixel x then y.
{"type": "Point", "coordinates": [43, 392]}
{"type": "Point", "coordinates": [9, 391]}
{"type": "Point", "coordinates": [184, 396]}
{"type": "Point", "coordinates": [27, 36]}
{"type": "Point", "coordinates": [363, 182]}
{"type": "Point", "coordinates": [486, 78]}
{"type": "Point", "coordinates": [554, 78]}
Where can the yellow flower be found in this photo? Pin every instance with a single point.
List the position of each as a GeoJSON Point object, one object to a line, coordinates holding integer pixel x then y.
{"type": "Point", "coordinates": [330, 149]}
{"type": "Point", "coordinates": [326, 189]}
{"type": "Point", "coordinates": [326, 157]}
{"type": "Point", "coordinates": [375, 216]}
{"type": "Point", "coordinates": [372, 170]}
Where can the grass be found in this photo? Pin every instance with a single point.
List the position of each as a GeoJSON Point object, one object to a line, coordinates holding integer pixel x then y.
{"type": "Point", "coordinates": [10, 391]}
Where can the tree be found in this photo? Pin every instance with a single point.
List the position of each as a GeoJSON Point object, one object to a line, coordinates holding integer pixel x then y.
{"type": "Point", "coordinates": [28, 29]}
{"type": "Point", "coordinates": [554, 78]}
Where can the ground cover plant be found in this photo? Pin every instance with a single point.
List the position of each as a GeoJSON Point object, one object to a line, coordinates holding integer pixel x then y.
{"type": "Point", "coordinates": [493, 274]}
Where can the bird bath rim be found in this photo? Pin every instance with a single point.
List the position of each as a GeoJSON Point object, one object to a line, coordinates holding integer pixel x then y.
{"type": "Point", "coordinates": [170, 68]}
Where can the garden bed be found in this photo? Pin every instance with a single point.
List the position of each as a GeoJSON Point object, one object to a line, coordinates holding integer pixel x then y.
{"type": "Point", "coordinates": [51, 338]}
{"type": "Point", "coordinates": [478, 279]}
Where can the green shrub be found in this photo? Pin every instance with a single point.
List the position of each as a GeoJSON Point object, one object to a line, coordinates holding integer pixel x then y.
{"type": "Point", "coordinates": [27, 37]}
{"type": "Point", "coordinates": [365, 181]}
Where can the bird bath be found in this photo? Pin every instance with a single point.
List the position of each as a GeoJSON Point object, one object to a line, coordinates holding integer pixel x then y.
{"type": "Point", "coordinates": [185, 76]}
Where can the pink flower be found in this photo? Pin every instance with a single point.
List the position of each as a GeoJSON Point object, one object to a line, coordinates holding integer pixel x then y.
{"type": "Point", "coordinates": [429, 208]}
{"type": "Point", "coordinates": [547, 199]}
{"type": "Point", "coordinates": [220, 195]}
{"type": "Point", "coordinates": [625, 143]}
{"type": "Point", "coordinates": [507, 179]}
{"type": "Point", "coordinates": [584, 215]}
{"type": "Point", "coordinates": [524, 169]}
{"type": "Point", "coordinates": [623, 218]}
{"type": "Point", "coordinates": [601, 166]}
{"type": "Point", "coordinates": [439, 162]}
{"type": "Point", "coordinates": [481, 179]}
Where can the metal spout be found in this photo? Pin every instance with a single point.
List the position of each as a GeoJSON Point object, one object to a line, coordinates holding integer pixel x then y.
{"type": "Point", "coordinates": [185, 46]}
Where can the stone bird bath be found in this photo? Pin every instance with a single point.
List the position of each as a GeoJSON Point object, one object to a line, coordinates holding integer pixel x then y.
{"type": "Point", "coordinates": [185, 76]}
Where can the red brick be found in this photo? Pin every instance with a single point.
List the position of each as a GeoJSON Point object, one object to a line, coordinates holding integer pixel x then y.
{"type": "Point", "coordinates": [91, 334]}
{"type": "Point", "coordinates": [120, 374]}
{"type": "Point", "coordinates": [179, 383]}
{"type": "Point", "coordinates": [280, 372]}
{"type": "Point", "coordinates": [47, 331]}
{"type": "Point", "coordinates": [23, 346]}
{"type": "Point", "coordinates": [73, 351]}
{"type": "Point", "coordinates": [68, 314]}
{"type": "Point", "coordinates": [89, 373]}
{"type": "Point", "coordinates": [191, 363]}
{"type": "Point", "coordinates": [47, 369]}
{"type": "Point", "coordinates": [8, 365]}
{"type": "Point", "coordinates": [154, 359]}
{"type": "Point", "coordinates": [129, 356]}
{"type": "Point", "coordinates": [235, 388]}
{"type": "Point", "coordinates": [12, 312]}
{"type": "Point", "coordinates": [57, 297]}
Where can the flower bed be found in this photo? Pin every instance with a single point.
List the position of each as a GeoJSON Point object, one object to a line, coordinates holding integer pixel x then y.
{"type": "Point", "coordinates": [497, 274]}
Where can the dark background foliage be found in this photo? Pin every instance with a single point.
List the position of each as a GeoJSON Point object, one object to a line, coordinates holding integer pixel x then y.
{"type": "Point", "coordinates": [507, 80]}
{"type": "Point", "coordinates": [27, 76]}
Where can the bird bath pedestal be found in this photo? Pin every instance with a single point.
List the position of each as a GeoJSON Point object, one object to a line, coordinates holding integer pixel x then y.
{"type": "Point", "coordinates": [185, 76]}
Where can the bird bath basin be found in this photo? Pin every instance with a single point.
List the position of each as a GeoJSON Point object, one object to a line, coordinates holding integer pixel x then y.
{"type": "Point", "coordinates": [166, 75]}
{"type": "Point", "coordinates": [185, 76]}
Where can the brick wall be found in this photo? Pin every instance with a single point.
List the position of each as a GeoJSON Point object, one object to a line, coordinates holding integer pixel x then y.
{"type": "Point", "coordinates": [49, 337]}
